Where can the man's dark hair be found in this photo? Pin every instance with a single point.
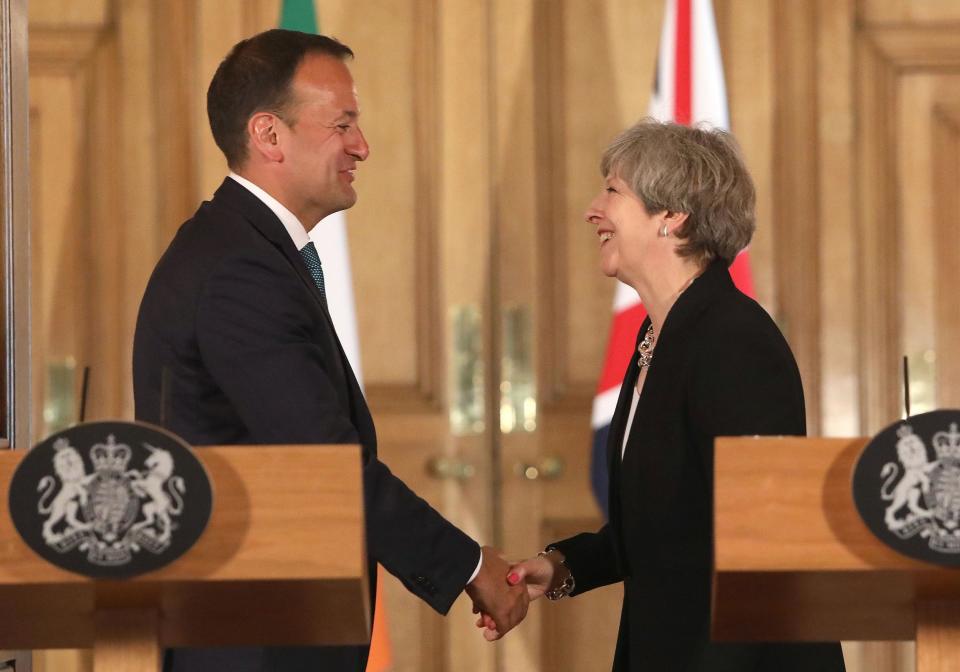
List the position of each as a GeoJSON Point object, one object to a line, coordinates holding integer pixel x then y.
{"type": "Point", "coordinates": [255, 77]}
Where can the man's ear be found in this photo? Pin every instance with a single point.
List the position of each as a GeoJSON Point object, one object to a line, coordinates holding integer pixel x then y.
{"type": "Point", "coordinates": [263, 133]}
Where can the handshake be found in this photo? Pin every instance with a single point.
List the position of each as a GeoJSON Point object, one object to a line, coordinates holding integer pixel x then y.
{"type": "Point", "coordinates": [501, 592]}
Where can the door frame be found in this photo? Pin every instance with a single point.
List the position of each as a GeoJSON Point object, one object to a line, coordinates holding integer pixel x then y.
{"type": "Point", "coordinates": [15, 223]}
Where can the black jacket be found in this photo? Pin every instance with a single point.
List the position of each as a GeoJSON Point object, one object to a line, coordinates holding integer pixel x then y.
{"type": "Point", "coordinates": [233, 346]}
{"type": "Point", "coordinates": [720, 368]}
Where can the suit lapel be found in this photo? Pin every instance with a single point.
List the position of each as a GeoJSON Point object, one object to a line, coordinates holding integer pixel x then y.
{"type": "Point", "coordinates": [619, 421]}
{"type": "Point", "coordinates": [676, 330]}
{"type": "Point", "coordinates": [672, 349]}
{"type": "Point", "coordinates": [714, 280]}
{"type": "Point", "coordinates": [236, 197]}
{"type": "Point", "coordinates": [615, 437]}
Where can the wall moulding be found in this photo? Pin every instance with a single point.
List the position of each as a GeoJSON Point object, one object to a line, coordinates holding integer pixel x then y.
{"type": "Point", "coordinates": [884, 55]}
{"type": "Point", "coordinates": [946, 197]}
{"type": "Point", "coordinates": [917, 46]}
{"type": "Point", "coordinates": [877, 227]}
{"type": "Point", "coordinates": [62, 50]}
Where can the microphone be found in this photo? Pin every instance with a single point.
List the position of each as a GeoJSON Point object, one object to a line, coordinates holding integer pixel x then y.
{"type": "Point", "coordinates": [84, 388]}
{"type": "Point", "coordinates": [906, 388]}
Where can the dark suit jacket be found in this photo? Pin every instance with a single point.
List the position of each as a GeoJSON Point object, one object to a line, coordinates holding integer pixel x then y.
{"type": "Point", "coordinates": [233, 346]}
{"type": "Point", "coordinates": [720, 368]}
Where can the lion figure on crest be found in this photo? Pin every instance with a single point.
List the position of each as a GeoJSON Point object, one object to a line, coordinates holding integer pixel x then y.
{"type": "Point", "coordinates": [912, 455]}
{"type": "Point", "coordinates": [151, 486]}
{"type": "Point", "coordinates": [68, 466]}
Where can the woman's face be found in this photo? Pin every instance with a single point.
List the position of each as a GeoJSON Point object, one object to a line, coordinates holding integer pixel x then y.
{"type": "Point", "coordinates": [625, 230]}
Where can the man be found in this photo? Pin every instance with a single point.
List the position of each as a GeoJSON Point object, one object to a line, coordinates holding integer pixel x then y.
{"type": "Point", "coordinates": [234, 343]}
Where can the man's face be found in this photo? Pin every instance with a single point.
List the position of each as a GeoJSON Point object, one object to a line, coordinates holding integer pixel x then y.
{"type": "Point", "coordinates": [324, 142]}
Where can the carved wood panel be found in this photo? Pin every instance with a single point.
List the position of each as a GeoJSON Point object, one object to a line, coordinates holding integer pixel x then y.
{"type": "Point", "coordinates": [900, 81]}
{"type": "Point", "coordinates": [61, 59]}
{"type": "Point", "coordinates": [946, 219]}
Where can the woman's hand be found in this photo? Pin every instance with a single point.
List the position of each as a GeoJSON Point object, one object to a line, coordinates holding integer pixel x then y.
{"type": "Point", "coordinates": [539, 572]}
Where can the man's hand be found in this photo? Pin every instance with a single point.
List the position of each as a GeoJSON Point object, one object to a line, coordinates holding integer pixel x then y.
{"type": "Point", "coordinates": [501, 604]}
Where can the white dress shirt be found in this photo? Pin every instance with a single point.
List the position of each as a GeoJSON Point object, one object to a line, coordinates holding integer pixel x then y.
{"type": "Point", "coordinates": [289, 220]}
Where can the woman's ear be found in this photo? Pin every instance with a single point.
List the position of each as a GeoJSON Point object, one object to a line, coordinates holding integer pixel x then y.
{"type": "Point", "coordinates": [675, 218]}
{"type": "Point", "coordinates": [671, 222]}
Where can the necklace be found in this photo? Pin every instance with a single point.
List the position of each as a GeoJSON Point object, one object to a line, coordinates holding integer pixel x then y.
{"type": "Point", "coordinates": [645, 349]}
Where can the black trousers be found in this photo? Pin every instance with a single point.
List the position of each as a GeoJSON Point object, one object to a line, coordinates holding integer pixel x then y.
{"type": "Point", "coordinates": [668, 630]}
{"type": "Point", "coordinates": [273, 659]}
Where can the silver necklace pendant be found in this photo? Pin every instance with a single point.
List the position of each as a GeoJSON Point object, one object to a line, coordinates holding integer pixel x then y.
{"type": "Point", "coordinates": [645, 349]}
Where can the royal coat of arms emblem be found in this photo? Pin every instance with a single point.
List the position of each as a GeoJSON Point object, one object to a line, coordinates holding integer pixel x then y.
{"type": "Point", "coordinates": [115, 511]}
{"type": "Point", "coordinates": [114, 506]}
{"type": "Point", "coordinates": [907, 486]}
{"type": "Point", "coordinates": [924, 495]}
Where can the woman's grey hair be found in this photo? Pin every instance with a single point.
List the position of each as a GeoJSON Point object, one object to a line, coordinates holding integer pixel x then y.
{"type": "Point", "coordinates": [697, 171]}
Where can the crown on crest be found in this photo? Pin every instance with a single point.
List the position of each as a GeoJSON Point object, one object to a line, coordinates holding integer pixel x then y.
{"type": "Point", "coordinates": [111, 455]}
{"type": "Point", "coordinates": [947, 444]}
{"type": "Point", "coordinates": [904, 431]}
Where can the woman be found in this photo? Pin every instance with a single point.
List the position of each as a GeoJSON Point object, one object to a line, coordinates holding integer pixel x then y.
{"type": "Point", "coordinates": [676, 208]}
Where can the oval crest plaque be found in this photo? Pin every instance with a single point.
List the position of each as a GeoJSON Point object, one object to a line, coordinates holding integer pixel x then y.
{"type": "Point", "coordinates": [906, 486]}
{"type": "Point", "coordinates": [110, 500]}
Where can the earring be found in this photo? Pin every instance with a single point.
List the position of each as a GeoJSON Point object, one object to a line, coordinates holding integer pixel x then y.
{"type": "Point", "coordinates": [663, 231]}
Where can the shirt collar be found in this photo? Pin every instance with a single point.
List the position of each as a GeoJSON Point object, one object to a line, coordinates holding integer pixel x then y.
{"type": "Point", "coordinates": [289, 220]}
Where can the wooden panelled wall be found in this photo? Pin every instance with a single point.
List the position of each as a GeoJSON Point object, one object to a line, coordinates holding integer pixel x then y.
{"type": "Point", "coordinates": [848, 112]}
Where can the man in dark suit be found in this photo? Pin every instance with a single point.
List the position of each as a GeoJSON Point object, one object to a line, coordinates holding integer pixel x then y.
{"type": "Point", "coordinates": [234, 343]}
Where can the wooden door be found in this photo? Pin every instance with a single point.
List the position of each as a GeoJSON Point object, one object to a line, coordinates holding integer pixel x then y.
{"type": "Point", "coordinates": [566, 77]}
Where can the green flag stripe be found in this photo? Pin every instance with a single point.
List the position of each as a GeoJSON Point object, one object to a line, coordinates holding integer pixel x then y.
{"type": "Point", "coordinates": [298, 15]}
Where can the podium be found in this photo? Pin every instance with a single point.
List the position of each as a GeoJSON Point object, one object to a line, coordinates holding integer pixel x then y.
{"type": "Point", "coordinates": [282, 562]}
{"type": "Point", "coordinates": [793, 560]}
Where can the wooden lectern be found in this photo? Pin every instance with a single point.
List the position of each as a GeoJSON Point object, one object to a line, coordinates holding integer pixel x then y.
{"type": "Point", "coordinates": [282, 562]}
{"type": "Point", "coordinates": [795, 562]}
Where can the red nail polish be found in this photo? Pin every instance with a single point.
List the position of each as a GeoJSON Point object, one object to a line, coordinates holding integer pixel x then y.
{"type": "Point", "coordinates": [513, 578]}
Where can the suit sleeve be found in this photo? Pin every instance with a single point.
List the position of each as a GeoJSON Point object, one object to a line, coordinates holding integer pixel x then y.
{"type": "Point", "coordinates": [591, 558]}
{"type": "Point", "coordinates": [257, 340]}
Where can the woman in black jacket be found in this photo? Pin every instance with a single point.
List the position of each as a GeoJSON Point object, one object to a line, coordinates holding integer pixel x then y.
{"type": "Point", "coordinates": [677, 206]}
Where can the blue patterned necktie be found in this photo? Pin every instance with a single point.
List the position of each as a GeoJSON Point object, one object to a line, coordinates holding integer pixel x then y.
{"type": "Point", "coordinates": [312, 260]}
